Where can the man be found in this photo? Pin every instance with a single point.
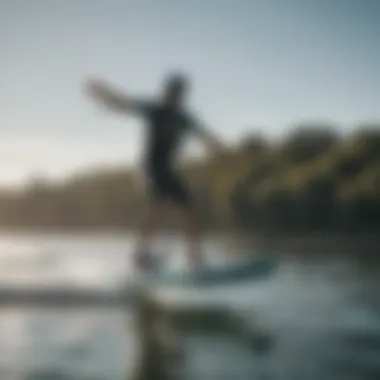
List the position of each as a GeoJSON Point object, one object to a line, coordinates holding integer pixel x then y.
{"type": "Point", "coordinates": [168, 123]}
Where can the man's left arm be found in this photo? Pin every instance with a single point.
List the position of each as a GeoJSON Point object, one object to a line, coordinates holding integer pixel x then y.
{"type": "Point", "coordinates": [209, 139]}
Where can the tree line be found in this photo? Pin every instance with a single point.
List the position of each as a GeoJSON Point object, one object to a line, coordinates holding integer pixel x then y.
{"type": "Point", "coordinates": [312, 180]}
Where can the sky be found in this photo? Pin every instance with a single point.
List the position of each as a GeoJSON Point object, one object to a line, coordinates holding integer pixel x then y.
{"type": "Point", "coordinates": [256, 66]}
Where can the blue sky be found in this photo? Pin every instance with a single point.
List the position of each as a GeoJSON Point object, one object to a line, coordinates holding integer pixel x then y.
{"type": "Point", "coordinates": [256, 65]}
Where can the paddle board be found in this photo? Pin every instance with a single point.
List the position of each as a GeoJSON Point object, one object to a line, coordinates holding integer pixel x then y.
{"type": "Point", "coordinates": [216, 274]}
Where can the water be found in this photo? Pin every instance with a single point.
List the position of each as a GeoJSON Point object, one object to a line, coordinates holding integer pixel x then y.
{"type": "Point", "coordinates": [324, 314]}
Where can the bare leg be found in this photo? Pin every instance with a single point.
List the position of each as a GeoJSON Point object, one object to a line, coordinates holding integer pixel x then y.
{"type": "Point", "coordinates": [193, 236]}
{"type": "Point", "coordinates": [143, 256]}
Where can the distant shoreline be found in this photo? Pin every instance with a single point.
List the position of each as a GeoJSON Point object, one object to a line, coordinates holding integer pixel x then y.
{"type": "Point", "coordinates": [361, 243]}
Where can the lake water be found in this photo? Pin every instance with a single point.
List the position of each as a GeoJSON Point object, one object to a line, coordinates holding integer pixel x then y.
{"type": "Point", "coordinates": [324, 315]}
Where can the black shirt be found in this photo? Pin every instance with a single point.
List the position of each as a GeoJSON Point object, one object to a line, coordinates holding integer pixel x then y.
{"type": "Point", "coordinates": [166, 127]}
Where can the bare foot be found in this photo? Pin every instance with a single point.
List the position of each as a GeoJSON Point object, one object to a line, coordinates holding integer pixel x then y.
{"type": "Point", "coordinates": [196, 261]}
{"type": "Point", "coordinates": [144, 261]}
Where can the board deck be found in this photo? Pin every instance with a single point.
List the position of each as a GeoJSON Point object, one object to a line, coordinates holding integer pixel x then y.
{"type": "Point", "coordinates": [243, 270]}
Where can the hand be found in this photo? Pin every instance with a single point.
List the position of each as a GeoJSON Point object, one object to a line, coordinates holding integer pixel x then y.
{"type": "Point", "coordinates": [96, 88]}
{"type": "Point", "coordinates": [213, 144]}
{"type": "Point", "coordinates": [220, 150]}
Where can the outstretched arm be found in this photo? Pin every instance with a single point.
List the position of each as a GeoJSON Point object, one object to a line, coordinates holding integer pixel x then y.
{"type": "Point", "coordinates": [210, 140]}
{"type": "Point", "coordinates": [110, 97]}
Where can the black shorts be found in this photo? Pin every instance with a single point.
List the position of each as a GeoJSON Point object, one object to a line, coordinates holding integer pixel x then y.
{"type": "Point", "coordinates": [166, 184]}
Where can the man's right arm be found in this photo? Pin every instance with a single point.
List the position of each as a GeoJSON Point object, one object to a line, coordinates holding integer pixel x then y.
{"type": "Point", "coordinates": [112, 98]}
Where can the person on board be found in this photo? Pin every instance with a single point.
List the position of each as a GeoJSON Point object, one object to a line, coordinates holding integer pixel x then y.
{"type": "Point", "coordinates": [168, 123]}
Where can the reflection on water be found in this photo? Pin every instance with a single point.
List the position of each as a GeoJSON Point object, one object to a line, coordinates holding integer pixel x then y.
{"type": "Point", "coordinates": [324, 315]}
{"type": "Point", "coordinates": [79, 344]}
